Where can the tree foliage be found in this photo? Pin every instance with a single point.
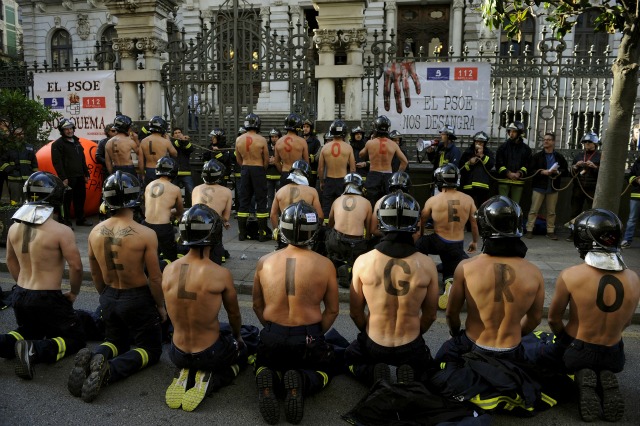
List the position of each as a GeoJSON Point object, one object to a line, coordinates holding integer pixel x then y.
{"type": "Point", "coordinates": [19, 114]}
{"type": "Point", "coordinates": [612, 16]}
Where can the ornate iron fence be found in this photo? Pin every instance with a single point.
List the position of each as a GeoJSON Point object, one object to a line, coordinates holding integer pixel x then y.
{"type": "Point", "coordinates": [550, 89]}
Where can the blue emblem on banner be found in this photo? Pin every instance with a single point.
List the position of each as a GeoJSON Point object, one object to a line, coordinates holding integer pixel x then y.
{"type": "Point", "coordinates": [437, 73]}
{"type": "Point", "coordinates": [54, 103]}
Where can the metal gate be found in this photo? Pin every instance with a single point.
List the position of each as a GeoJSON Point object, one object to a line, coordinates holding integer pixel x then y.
{"type": "Point", "coordinates": [216, 79]}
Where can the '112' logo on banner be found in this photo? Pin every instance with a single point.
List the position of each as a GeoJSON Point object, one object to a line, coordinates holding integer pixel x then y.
{"type": "Point", "coordinates": [93, 102]}
{"type": "Point", "coordinates": [468, 73]}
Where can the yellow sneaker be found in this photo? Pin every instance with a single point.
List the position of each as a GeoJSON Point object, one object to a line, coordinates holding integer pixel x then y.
{"type": "Point", "coordinates": [194, 396]}
{"type": "Point", "coordinates": [177, 388]}
{"type": "Point", "coordinates": [443, 300]}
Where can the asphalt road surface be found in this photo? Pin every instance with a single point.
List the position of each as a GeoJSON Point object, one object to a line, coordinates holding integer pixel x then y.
{"type": "Point", "coordinates": [140, 399]}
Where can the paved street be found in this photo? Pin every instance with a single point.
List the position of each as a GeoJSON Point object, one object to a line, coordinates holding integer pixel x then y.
{"type": "Point", "coordinates": [140, 399]}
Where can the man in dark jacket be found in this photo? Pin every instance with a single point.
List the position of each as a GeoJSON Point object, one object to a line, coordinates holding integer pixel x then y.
{"type": "Point", "coordinates": [512, 160]}
{"type": "Point", "coordinates": [585, 166]}
{"type": "Point", "coordinates": [183, 145]}
{"type": "Point", "coordinates": [446, 150]}
{"type": "Point", "coordinates": [18, 165]}
{"type": "Point", "coordinates": [314, 149]}
{"type": "Point", "coordinates": [273, 175]}
{"type": "Point", "coordinates": [551, 165]}
{"type": "Point", "coordinates": [357, 142]}
{"type": "Point", "coordinates": [67, 156]}
{"type": "Point", "coordinates": [109, 132]}
{"type": "Point", "coordinates": [474, 165]}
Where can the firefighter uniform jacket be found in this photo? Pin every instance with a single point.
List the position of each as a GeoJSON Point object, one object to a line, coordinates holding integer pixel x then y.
{"type": "Point", "coordinates": [19, 164]}
{"type": "Point", "coordinates": [512, 157]}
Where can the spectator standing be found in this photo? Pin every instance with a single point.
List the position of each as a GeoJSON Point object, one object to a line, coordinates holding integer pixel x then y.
{"type": "Point", "coordinates": [184, 147]}
{"type": "Point", "coordinates": [18, 164]}
{"type": "Point", "coordinates": [551, 165]}
{"type": "Point", "coordinates": [474, 165]}
{"type": "Point", "coordinates": [314, 146]}
{"type": "Point", "coordinates": [109, 132]}
{"type": "Point", "coordinates": [634, 205]}
{"type": "Point", "coordinates": [68, 160]}
{"type": "Point", "coordinates": [512, 159]}
{"type": "Point", "coordinates": [357, 142]}
{"type": "Point", "coordinates": [585, 167]}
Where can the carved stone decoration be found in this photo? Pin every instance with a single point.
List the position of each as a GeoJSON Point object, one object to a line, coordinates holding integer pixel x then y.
{"type": "Point", "coordinates": [109, 17]}
{"type": "Point", "coordinates": [67, 4]}
{"type": "Point", "coordinates": [264, 12]}
{"type": "Point", "coordinates": [41, 7]}
{"type": "Point", "coordinates": [295, 10]}
{"type": "Point", "coordinates": [151, 45]}
{"type": "Point", "coordinates": [277, 2]}
{"type": "Point", "coordinates": [207, 14]}
{"type": "Point", "coordinates": [354, 38]}
{"type": "Point", "coordinates": [125, 47]}
{"type": "Point", "coordinates": [325, 39]}
{"type": "Point", "coordinates": [390, 6]}
{"type": "Point", "coordinates": [458, 4]}
{"type": "Point", "coordinates": [93, 3]}
{"type": "Point", "coordinates": [84, 29]}
{"type": "Point", "coordinates": [57, 22]}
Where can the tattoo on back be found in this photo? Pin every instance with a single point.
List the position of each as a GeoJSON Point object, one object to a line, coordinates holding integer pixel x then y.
{"type": "Point", "coordinates": [113, 237]}
{"type": "Point", "coordinates": [28, 235]}
{"type": "Point", "coordinates": [349, 203]}
{"type": "Point", "coordinates": [208, 195]}
{"type": "Point", "coordinates": [182, 284]}
{"type": "Point", "coordinates": [294, 193]}
{"type": "Point", "coordinates": [388, 283]}
{"type": "Point", "coordinates": [290, 277]}
{"type": "Point", "coordinates": [617, 287]}
{"type": "Point", "coordinates": [157, 189]}
{"type": "Point", "coordinates": [505, 275]}
{"type": "Point", "coordinates": [453, 211]}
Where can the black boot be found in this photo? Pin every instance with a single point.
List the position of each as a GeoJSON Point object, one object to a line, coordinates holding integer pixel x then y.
{"type": "Point", "coordinates": [263, 230]}
{"type": "Point", "coordinates": [242, 228]}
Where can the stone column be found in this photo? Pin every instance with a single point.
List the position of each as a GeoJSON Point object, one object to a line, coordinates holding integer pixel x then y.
{"type": "Point", "coordinates": [152, 48]}
{"type": "Point", "coordinates": [141, 29]}
{"type": "Point", "coordinates": [354, 39]}
{"type": "Point", "coordinates": [264, 15]}
{"type": "Point", "coordinates": [456, 39]}
{"type": "Point", "coordinates": [391, 10]}
{"type": "Point", "coordinates": [326, 41]}
{"type": "Point", "coordinates": [276, 99]}
{"type": "Point", "coordinates": [125, 47]}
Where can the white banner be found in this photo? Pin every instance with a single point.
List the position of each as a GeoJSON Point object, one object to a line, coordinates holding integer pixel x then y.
{"type": "Point", "coordinates": [420, 98]}
{"type": "Point", "coordinates": [88, 98]}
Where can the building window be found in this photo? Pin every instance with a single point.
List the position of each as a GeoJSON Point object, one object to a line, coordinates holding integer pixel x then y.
{"type": "Point", "coordinates": [61, 54]}
{"type": "Point", "coordinates": [513, 47]}
{"type": "Point", "coordinates": [585, 35]}
{"type": "Point", "coordinates": [105, 56]}
{"type": "Point", "coordinates": [422, 30]}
